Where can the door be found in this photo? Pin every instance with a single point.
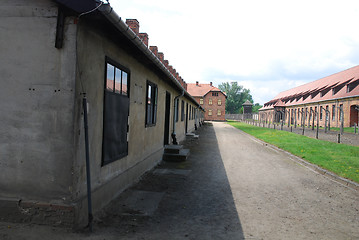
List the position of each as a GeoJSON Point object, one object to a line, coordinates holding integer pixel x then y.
{"type": "Point", "coordinates": [186, 117]}
{"type": "Point", "coordinates": [353, 115]}
{"type": "Point", "coordinates": [167, 119]}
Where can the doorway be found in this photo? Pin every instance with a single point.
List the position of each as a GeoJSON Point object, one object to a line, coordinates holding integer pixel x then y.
{"type": "Point", "coordinates": [167, 119]}
{"type": "Point", "coordinates": [186, 118]}
{"type": "Point", "coordinates": [354, 115]}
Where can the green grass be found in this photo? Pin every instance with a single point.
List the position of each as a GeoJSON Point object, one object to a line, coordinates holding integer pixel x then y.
{"type": "Point", "coordinates": [346, 129]}
{"type": "Point", "coordinates": [341, 159]}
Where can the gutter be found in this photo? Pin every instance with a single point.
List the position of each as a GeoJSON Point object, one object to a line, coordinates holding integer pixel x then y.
{"type": "Point", "coordinates": [116, 21]}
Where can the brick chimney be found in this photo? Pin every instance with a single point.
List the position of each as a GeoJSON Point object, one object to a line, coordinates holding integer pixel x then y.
{"type": "Point", "coordinates": [197, 83]}
{"type": "Point", "coordinates": [161, 56]}
{"type": "Point", "coordinates": [144, 38]}
{"type": "Point", "coordinates": [210, 84]}
{"type": "Point", "coordinates": [134, 25]}
{"type": "Point", "coordinates": [154, 49]}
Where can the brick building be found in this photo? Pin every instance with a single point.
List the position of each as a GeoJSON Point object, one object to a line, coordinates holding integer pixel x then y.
{"type": "Point", "coordinates": [333, 98]}
{"type": "Point", "coordinates": [212, 99]}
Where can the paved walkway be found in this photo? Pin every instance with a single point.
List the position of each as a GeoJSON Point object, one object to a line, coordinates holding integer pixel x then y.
{"type": "Point", "coordinates": [231, 187]}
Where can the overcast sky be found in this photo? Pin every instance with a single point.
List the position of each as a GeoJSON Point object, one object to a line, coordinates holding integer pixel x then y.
{"type": "Point", "coordinates": [265, 46]}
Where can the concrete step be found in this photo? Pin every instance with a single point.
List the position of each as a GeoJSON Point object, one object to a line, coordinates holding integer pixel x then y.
{"type": "Point", "coordinates": [176, 157]}
{"type": "Point", "coordinates": [192, 135]}
{"type": "Point", "coordinates": [174, 149]}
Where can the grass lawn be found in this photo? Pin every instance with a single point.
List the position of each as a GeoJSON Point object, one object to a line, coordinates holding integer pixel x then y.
{"type": "Point", "coordinates": [341, 159]}
{"type": "Point", "coordinates": [346, 129]}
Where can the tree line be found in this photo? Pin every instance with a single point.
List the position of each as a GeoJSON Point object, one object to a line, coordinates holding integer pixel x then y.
{"type": "Point", "coordinates": [236, 96]}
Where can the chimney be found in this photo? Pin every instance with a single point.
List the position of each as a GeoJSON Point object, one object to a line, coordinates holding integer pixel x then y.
{"type": "Point", "coordinates": [210, 84]}
{"type": "Point", "coordinates": [161, 56]}
{"type": "Point", "coordinates": [196, 83]}
{"type": "Point", "coordinates": [144, 38]}
{"type": "Point", "coordinates": [134, 25]}
{"type": "Point", "coordinates": [154, 49]}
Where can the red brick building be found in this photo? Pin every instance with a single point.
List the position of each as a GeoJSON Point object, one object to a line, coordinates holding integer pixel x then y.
{"type": "Point", "coordinates": [212, 99]}
{"type": "Point", "coordinates": [330, 99]}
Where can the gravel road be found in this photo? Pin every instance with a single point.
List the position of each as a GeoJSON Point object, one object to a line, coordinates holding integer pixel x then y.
{"type": "Point", "coordinates": [231, 187]}
{"type": "Point", "coordinates": [277, 198]}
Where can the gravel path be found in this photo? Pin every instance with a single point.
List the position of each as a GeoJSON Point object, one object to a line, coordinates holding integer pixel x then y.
{"type": "Point", "coordinates": [277, 198]}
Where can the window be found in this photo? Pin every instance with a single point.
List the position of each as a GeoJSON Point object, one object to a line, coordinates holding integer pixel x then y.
{"type": "Point", "coordinates": [333, 113]}
{"type": "Point", "coordinates": [210, 101]}
{"type": "Point", "coordinates": [116, 80]}
{"type": "Point", "coordinates": [190, 112]}
{"type": "Point", "coordinates": [115, 112]}
{"type": "Point", "coordinates": [219, 112]}
{"type": "Point", "coordinates": [219, 102]}
{"type": "Point", "coordinates": [176, 114]}
{"type": "Point", "coordinates": [341, 113]}
{"type": "Point", "coordinates": [201, 101]}
{"type": "Point", "coordinates": [182, 111]}
{"type": "Point", "coordinates": [215, 94]}
{"type": "Point", "coordinates": [321, 113]}
{"type": "Point", "coordinates": [209, 112]}
{"type": "Point", "coordinates": [315, 113]}
{"type": "Point", "coordinates": [151, 104]}
{"type": "Point", "coordinates": [352, 85]}
{"type": "Point", "coordinates": [327, 113]}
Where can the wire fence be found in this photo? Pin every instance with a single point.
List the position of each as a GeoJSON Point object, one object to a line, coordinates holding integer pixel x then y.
{"type": "Point", "coordinates": [311, 131]}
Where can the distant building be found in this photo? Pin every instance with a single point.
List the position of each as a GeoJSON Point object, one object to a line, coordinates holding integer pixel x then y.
{"type": "Point", "coordinates": [331, 98]}
{"type": "Point", "coordinates": [212, 99]}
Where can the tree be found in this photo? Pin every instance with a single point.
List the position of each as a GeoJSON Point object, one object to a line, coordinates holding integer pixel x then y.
{"type": "Point", "coordinates": [236, 96]}
{"type": "Point", "coordinates": [256, 107]}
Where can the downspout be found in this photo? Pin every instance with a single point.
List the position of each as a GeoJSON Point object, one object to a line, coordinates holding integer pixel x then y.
{"type": "Point", "coordinates": [175, 107]}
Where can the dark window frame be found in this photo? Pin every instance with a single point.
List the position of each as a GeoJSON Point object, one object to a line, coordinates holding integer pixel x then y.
{"type": "Point", "coordinates": [151, 108]}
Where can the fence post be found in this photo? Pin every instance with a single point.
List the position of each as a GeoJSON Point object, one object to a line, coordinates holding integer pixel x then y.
{"type": "Point", "coordinates": [341, 121]}
{"type": "Point", "coordinates": [317, 133]}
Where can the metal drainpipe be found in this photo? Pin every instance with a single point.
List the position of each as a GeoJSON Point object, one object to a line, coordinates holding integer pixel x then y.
{"type": "Point", "coordinates": [88, 176]}
{"type": "Point", "coordinates": [173, 135]}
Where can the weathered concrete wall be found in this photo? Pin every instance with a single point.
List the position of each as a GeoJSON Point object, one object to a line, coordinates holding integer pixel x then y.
{"type": "Point", "coordinates": [36, 103]}
{"type": "Point", "coordinates": [145, 144]}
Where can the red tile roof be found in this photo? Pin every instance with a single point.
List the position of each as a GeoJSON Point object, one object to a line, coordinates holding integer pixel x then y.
{"type": "Point", "coordinates": [199, 90]}
{"type": "Point", "coordinates": [331, 87]}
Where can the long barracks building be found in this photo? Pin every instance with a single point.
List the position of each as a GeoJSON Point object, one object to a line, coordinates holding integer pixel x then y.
{"type": "Point", "coordinates": [330, 98]}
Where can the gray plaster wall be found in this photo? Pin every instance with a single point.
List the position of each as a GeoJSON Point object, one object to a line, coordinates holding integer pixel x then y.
{"type": "Point", "coordinates": [145, 144]}
{"type": "Point", "coordinates": [36, 102]}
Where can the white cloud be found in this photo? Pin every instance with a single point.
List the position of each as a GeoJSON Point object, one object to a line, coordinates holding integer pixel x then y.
{"type": "Point", "coordinates": [267, 45]}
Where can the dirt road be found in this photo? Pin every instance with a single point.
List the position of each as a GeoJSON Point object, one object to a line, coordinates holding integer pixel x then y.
{"type": "Point", "coordinates": [277, 198]}
{"type": "Point", "coordinates": [231, 187]}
